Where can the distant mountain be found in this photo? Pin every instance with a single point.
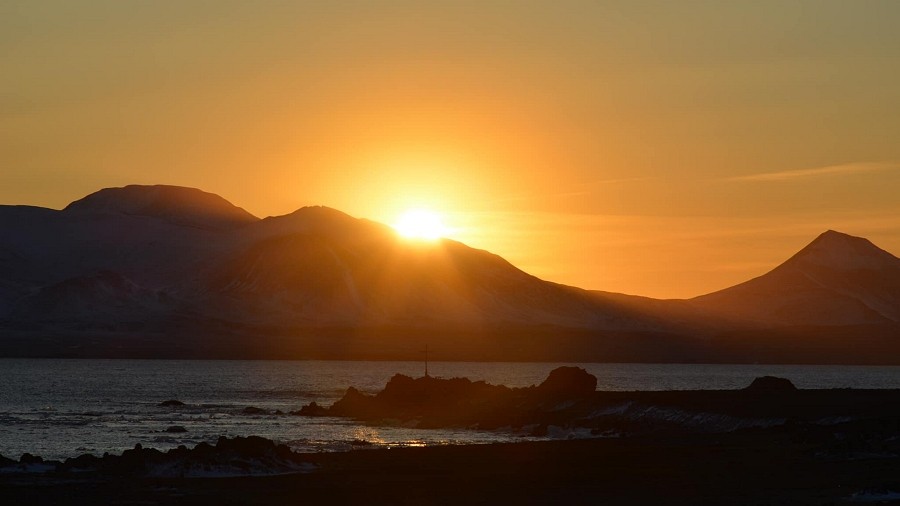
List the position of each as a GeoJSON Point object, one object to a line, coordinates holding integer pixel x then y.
{"type": "Point", "coordinates": [837, 279]}
{"type": "Point", "coordinates": [182, 206]}
{"type": "Point", "coordinates": [163, 271]}
{"type": "Point", "coordinates": [168, 254]}
{"type": "Point", "coordinates": [370, 277]}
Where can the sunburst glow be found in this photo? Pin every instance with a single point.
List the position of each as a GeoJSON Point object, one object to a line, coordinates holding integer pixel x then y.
{"type": "Point", "coordinates": [421, 224]}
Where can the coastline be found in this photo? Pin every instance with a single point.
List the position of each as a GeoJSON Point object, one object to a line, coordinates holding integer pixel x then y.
{"type": "Point", "coordinates": [751, 467]}
{"type": "Point", "coordinates": [768, 443]}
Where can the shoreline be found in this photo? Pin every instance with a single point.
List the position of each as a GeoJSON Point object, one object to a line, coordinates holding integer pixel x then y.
{"type": "Point", "coordinates": [750, 467]}
{"type": "Point", "coordinates": [768, 443]}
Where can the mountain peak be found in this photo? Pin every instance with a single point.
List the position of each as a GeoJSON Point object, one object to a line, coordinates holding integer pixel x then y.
{"type": "Point", "coordinates": [839, 250]}
{"type": "Point", "coordinates": [176, 204]}
{"type": "Point", "coordinates": [322, 212]}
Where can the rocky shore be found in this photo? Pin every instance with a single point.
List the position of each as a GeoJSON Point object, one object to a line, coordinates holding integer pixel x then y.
{"type": "Point", "coordinates": [769, 443]}
{"type": "Point", "coordinates": [240, 456]}
{"type": "Point", "coordinates": [567, 401]}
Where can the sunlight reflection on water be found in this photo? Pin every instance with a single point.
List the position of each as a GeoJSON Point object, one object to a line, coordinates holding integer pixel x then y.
{"type": "Point", "coordinates": [62, 408]}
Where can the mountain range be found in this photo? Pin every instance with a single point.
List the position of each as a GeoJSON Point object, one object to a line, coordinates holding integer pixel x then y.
{"type": "Point", "coordinates": [165, 271]}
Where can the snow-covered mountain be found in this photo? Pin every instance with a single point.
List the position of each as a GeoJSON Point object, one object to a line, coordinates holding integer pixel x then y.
{"type": "Point", "coordinates": [837, 279]}
{"type": "Point", "coordinates": [176, 204]}
{"type": "Point", "coordinates": [182, 252]}
{"type": "Point", "coordinates": [166, 268]}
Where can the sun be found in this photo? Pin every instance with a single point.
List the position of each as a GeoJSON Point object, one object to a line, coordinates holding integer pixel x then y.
{"type": "Point", "coordinates": [421, 224]}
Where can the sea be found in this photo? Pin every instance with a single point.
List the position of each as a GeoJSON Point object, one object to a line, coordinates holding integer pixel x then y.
{"type": "Point", "coordinates": [64, 408]}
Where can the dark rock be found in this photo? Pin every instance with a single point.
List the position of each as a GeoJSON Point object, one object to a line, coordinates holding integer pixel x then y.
{"type": "Point", "coordinates": [429, 402]}
{"type": "Point", "coordinates": [568, 382]}
{"type": "Point", "coordinates": [176, 428]}
{"type": "Point", "coordinates": [82, 462]}
{"type": "Point", "coordinates": [28, 458]}
{"type": "Point", "coordinates": [311, 409]}
{"type": "Point", "coordinates": [5, 462]}
{"type": "Point", "coordinates": [171, 403]}
{"type": "Point", "coordinates": [249, 454]}
{"type": "Point", "coordinates": [771, 384]}
{"type": "Point", "coordinates": [181, 451]}
{"type": "Point", "coordinates": [204, 449]}
{"type": "Point", "coordinates": [253, 410]}
{"type": "Point", "coordinates": [250, 446]}
{"type": "Point", "coordinates": [353, 402]}
{"type": "Point", "coordinates": [131, 461]}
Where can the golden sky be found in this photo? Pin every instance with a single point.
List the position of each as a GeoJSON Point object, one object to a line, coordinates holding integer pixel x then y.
{"type": "Point", "coordinates": [657, 148]}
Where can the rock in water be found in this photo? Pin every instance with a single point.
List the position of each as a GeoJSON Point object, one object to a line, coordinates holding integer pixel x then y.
{"type": "Point", "coordinates": [570, 382]}
{"type": "Point", "coordinates": [771, 384]}
{"type": "Point", "coordinates": [171, 403]}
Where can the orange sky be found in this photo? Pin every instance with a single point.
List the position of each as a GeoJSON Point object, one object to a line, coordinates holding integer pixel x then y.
{"type": "Point", "coordinates": [657, 148]}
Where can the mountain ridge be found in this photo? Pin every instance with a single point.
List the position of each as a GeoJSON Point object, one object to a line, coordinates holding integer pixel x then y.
{"type": "Point", "coordinates": [162, 262]}
{"type": "Point", "coordinates": [179, 204]}
{"type": "Point", "coordinates": [851, 280]}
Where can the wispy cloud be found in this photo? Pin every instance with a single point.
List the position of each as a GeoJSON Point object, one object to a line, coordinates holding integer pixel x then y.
{"type": "Point", "coordinates": [830, 170]}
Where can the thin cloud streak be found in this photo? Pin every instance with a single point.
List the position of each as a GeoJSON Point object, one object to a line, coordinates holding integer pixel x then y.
{"type": "Point", "coordinates": [830, 170]}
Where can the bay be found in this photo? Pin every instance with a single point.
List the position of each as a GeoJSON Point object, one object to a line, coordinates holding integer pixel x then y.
{"type": "Point", "coordinates": [63, 408]}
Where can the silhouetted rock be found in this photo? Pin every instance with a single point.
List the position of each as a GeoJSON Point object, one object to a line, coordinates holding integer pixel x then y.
{"type": "Point", "coordinates": [771, 384]}
{"type": "Point", "coordinates": [253, 410]}
{"type": "Point", "coordinates": [429, 402]}
{"type": "Point", "coordinates": [171, 403]}
{"type": "Point", "coordinates": [5, 462]}
{"type": "Point", "coordinates": [28, 458]}
{"type": "Point", "coordinates": [311, 409]}
{"type": "Point", "coordinates": [352, 402]}
{"type": "Point", "coordinates": [176, 428]}
{"type": "Point", "coordinates": [570, 382]}
{"type": "Point", "coordinates": [82, 462]}
{"type": "Point", "coordinates": [237, 456]}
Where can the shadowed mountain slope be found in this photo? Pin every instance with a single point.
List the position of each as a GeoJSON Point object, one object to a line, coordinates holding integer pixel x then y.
{"type": "Point", "coordinates": [211, 261]}
{"type": "Point", "coordinates": [180, 272]}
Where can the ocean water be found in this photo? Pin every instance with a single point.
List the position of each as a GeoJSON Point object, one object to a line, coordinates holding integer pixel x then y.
{"type": "Point", "coordinates": [63, 408]}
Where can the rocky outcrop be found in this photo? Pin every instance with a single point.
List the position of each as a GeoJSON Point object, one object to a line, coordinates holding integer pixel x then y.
{"type": "Point", "coordinates": [434, 402]}
{"type": "Point", "coordinates": [240, 456]}
{"type": "Point", "coordinates": [568, 382]}
{"type": "Point", "coordinates": [771, 384]}
{"type": "Point", "coordinates": [567, 403]}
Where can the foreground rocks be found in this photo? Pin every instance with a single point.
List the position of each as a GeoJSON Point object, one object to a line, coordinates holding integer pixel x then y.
{"type": "Point", "coordinates": [240, 456]}
{"type": "Point", "coordinates": [750, 468]}
{"type": "Point", "coordinates": [766, 444]}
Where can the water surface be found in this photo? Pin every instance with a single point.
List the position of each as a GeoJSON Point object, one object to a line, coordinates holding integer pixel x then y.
{"type": "Point", "coordinates": [63, 408]}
